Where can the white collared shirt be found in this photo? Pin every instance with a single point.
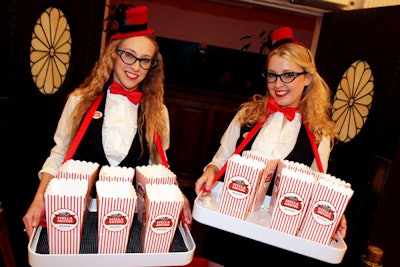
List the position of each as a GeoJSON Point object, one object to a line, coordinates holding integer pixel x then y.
{"type": "Point", "coordinates": [275, 140]}
{"type": "Point", "coordinates": [119, 130]}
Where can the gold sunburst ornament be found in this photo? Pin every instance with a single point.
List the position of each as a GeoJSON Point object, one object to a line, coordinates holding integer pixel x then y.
{"type": "Point", "coordinates": [353, 100]}
{"type": "Point", "coordinates": [50, 51]}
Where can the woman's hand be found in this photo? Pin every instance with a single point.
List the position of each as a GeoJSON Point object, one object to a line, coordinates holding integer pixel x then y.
{"type": "Point", "coordinates": [204, 183]}
{"type": "Point", "coordinates": [33, 215]}
{"type": "Point", "coordinates": [37, 208]}
{"type": "Point", "coordinates": [187, 212]}
{"type": "Point", "coordinates": [342, 228]}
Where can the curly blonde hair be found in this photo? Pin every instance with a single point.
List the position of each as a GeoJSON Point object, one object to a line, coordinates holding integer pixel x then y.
{"type": "Point", "coordinates": [152, 103]}
{"type": "Point", "coordinates": [315, 104]}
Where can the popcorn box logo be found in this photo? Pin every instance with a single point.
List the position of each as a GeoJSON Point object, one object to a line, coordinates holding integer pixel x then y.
{"type": "Point", "coordinates": [323, 212]}
{"type": "Point", "coordinates": [162, 224]}
{"type": "Point", "coordinates": [64, 220]}
{"type": "Point", "coordinates": [238, 187]}
{"type": "Point", "coordinates": [115, 221]}
{"type": "Point", "coordinates": [291, 204]}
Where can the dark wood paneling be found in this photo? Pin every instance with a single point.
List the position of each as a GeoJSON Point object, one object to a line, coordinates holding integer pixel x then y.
{"type": "Point", "coordinates": [198, 120]}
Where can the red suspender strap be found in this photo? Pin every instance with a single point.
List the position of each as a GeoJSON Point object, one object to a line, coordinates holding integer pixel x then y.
{"type": "Point", "coordinates": [251, 134]}
{"type": "Point", "coordinates": [83, 127]}
{"type": "Point", "coordinates": [160, 150]}
{"type": "Point", "coordinates": [314, 147]}
{"type": "Point", "coordinates": [163, 157]}
{"type": "Point", "coordinates": [241, 146]}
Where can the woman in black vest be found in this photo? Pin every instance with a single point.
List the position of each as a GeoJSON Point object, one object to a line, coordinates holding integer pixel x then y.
{"type": "Point", "coordinates": [127, 83]}
{"type": "Point", "coordinates": [297, 100]}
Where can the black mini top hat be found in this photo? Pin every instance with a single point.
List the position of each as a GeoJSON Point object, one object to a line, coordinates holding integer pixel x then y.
{"type": "Point", "coordinates": [279, 37]}
{"type": "Point", "coordinates": [132, 21]}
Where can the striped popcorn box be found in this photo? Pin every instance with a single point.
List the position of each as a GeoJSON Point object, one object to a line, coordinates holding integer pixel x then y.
{"type": "Point", "coordinates": [81, 170]}
{"type": "Point", "coordinates": [116, 174]}
{"type": "Point", "coordinates": [163, 205]}
{"type": "Point", "coordinates": [284, 164]}
{"type": "Point", "coordinates": [116, 209]}
{"type": "Point", "coordinates": [150, 174]}
{"type": "Point", "coordinates": [265, 181]}
{"type": "Point", "coordinates": [327, 205]}
{"type": "Point", "coordinates": [241, 179]}
{"type": "Point", "coordinates": [65, 208]}
{"type": "Point", "coordinates": [293, 197]}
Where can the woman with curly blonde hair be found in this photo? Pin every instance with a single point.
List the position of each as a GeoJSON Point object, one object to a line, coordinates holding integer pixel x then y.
{"type": "Point", "coordinates": [314, 103]}
{"type": "Point", "coordinates": [295, 123]}
{"type": "Point", "coordinates": [129, 125]}
{"type": "Point", "coordinates": [151, 103]}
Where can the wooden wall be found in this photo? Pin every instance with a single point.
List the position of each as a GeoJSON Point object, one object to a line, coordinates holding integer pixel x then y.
{"type": "Point", "coordinates": [198, 119]}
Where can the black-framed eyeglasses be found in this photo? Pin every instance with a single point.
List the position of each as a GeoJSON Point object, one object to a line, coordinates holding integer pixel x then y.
{"type": "Point", "coordinates": [286, 77]}
{"type": "Point", "coordinates": [129, 59]}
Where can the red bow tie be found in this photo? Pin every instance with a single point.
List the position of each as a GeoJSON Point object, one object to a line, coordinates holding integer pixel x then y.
{"type": "Point", "coordinates": [133, 96]}
{"type": "Point", "coordinates": [272, 107]}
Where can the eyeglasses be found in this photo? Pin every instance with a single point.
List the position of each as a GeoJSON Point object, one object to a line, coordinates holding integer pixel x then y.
{"type": "Point", "coordinates": [130, 59]}
{"type": "Point", "coordinates": [286, 77]}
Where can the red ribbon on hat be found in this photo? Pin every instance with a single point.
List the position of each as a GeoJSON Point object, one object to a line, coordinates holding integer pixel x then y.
{"type": "Point", "coordinates": [272, 107]}
{"type": "Point", "coordinates": [133, 96]}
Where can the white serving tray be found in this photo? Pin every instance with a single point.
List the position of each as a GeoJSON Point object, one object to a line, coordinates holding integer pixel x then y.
{"type": "Point", "coordinates": [256, 227]}
{"type": "Point", "coordinates": [107, 260]}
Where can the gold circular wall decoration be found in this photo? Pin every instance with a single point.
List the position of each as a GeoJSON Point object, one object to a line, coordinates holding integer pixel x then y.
{"type": "Point", "coordinates": [353, 100]}
{"type": "Point", "coordinates": [50, 51]}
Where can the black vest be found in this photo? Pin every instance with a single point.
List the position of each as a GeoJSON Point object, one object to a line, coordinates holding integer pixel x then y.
{"type": "Point", "coordinates": [91, 146]}
{"type": "Point", "coordinates": [302, 151]}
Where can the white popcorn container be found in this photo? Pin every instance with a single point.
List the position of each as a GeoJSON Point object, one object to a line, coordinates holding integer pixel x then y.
{"type": "Point", "coordinates": [284, 164]}
{"type": "Point", "coordinates": [265, 181]}
{"type": "Point", "coordinates": [150, 174]}
{"type": "Point", "coordinates": [80, 170]}
{"type": "Point", "coordinates": [293, 197]}
{"type": "Point", "coordinates": [65, 213]}
{"type": "Point", "coordinates": [163, 206]}
{"type": "Point", "coordinates": [327, 205]}
{"type": "Point", "coordinates": [241, 179]}
{"type": "Point", "coordinates": [116, 174]}
{"type": "Point", "coordinates": [116, 209]}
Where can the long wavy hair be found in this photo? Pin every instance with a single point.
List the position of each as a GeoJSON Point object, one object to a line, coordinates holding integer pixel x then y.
{"type": "Point", "coordinates": [152, 103]}
{"type": "Point", "coordinates": [316, 101]}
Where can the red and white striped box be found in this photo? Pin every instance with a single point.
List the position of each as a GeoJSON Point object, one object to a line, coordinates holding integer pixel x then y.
{"type": "Point", "coordinates": [163, 206]}
{"type": "Point", "coordinates": [65, 209]}
{"type": "Point", "coordinates": [327, 205]}
{"type": "Point", "coordinates": [116, 174]}
{"type": "Point", "coordinates": [150, 174]}
{"type": "Point", "coordinates": [284, 164]}
{"type": "Point", "coordinates": [295, 189]}
{"type": "Point", "coordinates": [265, 181]}
{"type": "Point", "coordinates": [116, 209]}
{"type": "Point", "coordinates": [80, 170]}
{"type": "Point", "coordinates": [240, 183]}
